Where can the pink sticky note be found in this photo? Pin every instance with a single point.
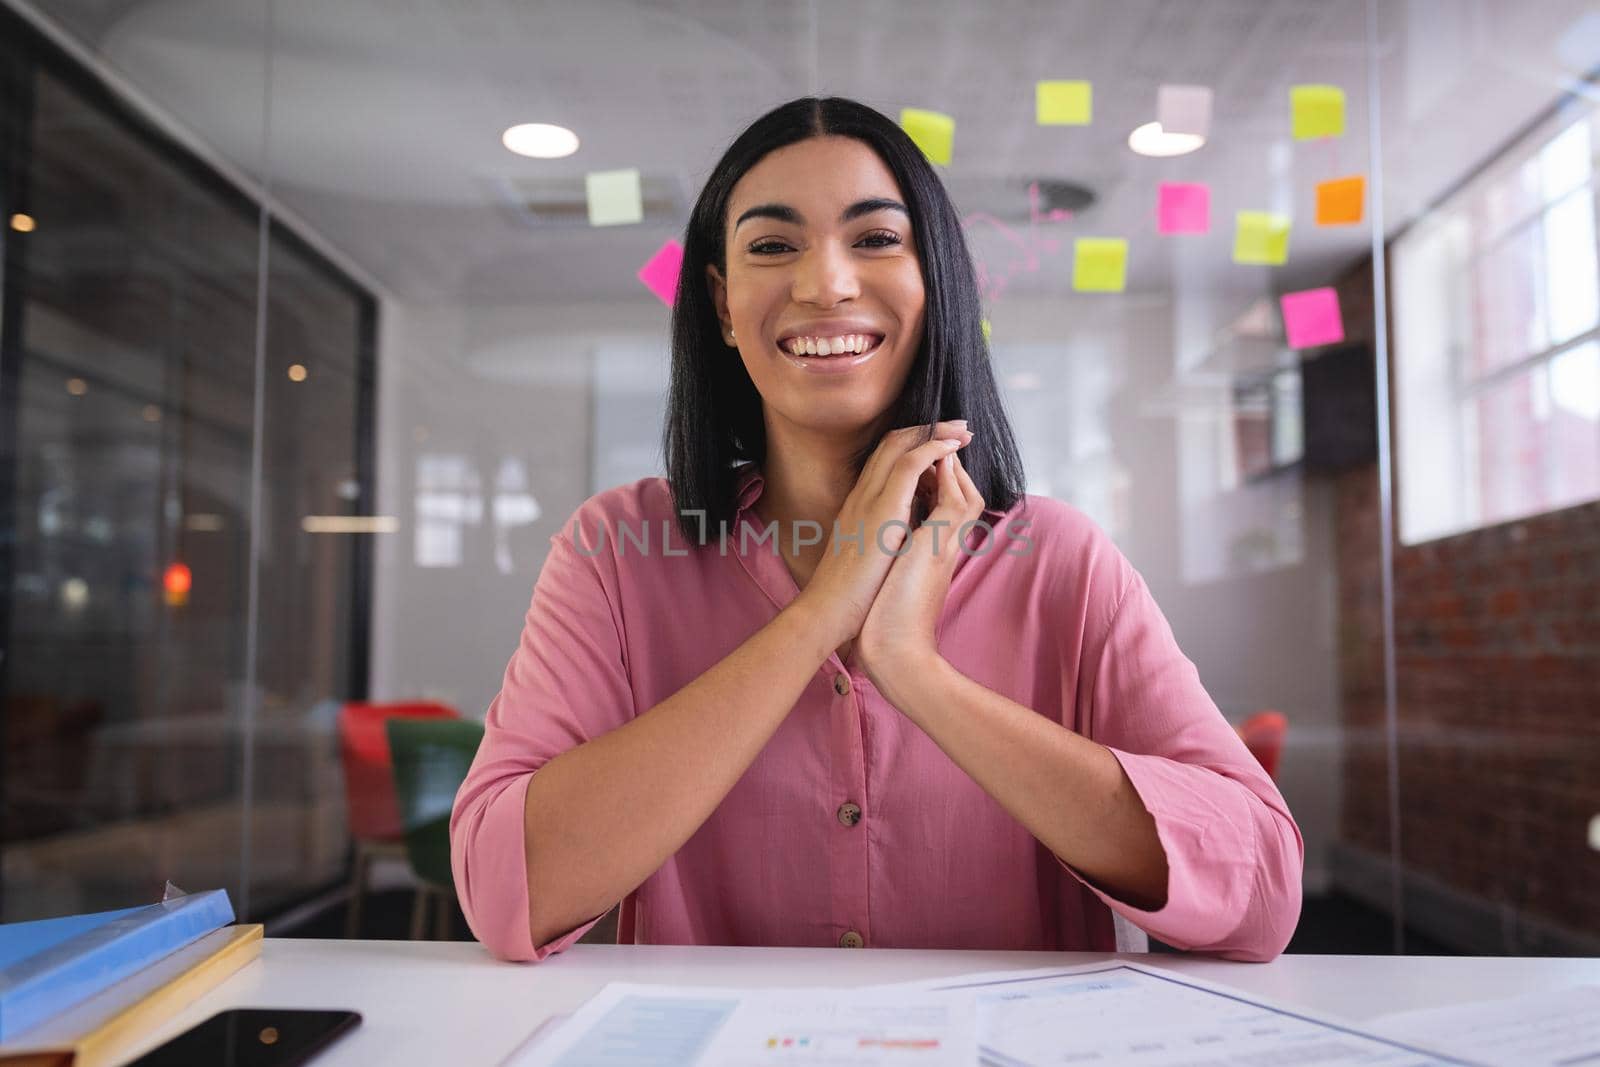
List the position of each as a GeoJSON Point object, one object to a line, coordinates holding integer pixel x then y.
{"type": "Point", "coordinates": [1183, 208]}
{"type": "Point", "coordinates": [1312, 318]}
{"type": "Point", "coordinates": [661, 273]}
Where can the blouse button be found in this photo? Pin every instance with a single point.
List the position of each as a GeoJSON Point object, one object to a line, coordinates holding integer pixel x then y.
{"type": "Point", "coordinates": [851, 939]}
{"type": "Point", "coordinates": [841, 683]}
{"type": "Point", "coordinates": [849, 814]}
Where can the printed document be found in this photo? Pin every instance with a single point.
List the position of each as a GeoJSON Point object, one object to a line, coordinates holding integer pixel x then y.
{"type": "Point", "coordinates": [1142, 1016]}
{"type": "Point", "coordinates": [1559, 1029]}
{"type": "Point", "coordinates": [628, 1025]}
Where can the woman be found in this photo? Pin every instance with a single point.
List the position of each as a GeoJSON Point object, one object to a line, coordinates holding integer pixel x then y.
{"type": "Point", "coordinates": [797, 721]}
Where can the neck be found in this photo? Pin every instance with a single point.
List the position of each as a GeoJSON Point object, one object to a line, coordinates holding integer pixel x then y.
{"type": "Point", "coordinates": [807, 474]}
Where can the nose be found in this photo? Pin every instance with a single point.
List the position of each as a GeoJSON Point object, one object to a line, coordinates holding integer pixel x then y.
{"type": "Point", "coordinates": [825, 276]}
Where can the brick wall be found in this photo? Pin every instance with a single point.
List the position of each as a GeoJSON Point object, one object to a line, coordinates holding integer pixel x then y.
{"type": "Point", "coordinates": [1497, 641]}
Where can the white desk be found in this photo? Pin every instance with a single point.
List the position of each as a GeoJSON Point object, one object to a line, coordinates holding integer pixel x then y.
{"type": "Point", "coordinates": [451, 1003]}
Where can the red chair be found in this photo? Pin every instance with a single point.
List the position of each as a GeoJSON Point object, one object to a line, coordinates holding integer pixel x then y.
{"type": "Point", "coordinates": [371, 808]}
{"type": "Point", "coordinates": [1263, 735]}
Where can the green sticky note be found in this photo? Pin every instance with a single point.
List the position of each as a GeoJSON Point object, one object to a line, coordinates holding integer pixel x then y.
{"type": "Point", "coordinates": [1063, 103]}
{"type": "Point", "coordinates": [933, 131]}
{"type": "Point", "coordinates": [1318, 111]}
{"type": "Point", "coordinates": [1261, 237]}
{"type": "Point", "coordinates": [615, 197]}
{"type": "Point", "coordinates": [1100, 264]}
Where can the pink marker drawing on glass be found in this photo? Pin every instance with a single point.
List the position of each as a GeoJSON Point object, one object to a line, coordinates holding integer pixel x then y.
{"type": "Point", "coordinates": [1026, 247]}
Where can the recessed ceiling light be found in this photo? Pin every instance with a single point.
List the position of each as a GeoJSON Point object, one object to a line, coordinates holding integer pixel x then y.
{"type": "Point", "coordinates": [297, 372]}
{"type": "Point", "coordinates": [540, 140]}
{"type": "Point", "coordinates": [1151, 140]}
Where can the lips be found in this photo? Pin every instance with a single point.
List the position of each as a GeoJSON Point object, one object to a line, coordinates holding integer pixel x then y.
{"type": "Point", "coordinates": [845, 362]}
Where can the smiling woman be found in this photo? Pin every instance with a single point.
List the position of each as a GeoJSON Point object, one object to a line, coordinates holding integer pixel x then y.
{"type": "Point", "coordinates": [824, 218]}
{"type": "Point", "coordinates": [865, 736]}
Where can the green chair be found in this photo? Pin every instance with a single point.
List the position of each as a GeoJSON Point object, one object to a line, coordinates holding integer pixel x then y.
{"type": "Point", "coordinates": [431, 758]}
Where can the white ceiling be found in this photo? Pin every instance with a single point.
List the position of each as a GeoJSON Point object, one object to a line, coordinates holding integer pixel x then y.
{"type": "Point", "coordinates": [383, 116]}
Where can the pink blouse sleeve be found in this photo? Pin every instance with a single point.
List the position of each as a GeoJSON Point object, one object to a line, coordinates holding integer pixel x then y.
{"type": "Point", "coordinates": [567, 683]}
{"type": "Point", "coordinates": [1234, 853]}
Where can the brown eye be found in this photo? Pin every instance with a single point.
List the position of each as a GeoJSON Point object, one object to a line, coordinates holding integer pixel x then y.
{"type": "Point", "coordinates": [880, 239]}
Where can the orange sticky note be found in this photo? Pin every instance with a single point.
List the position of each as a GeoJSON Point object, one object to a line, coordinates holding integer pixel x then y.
{"type": "Point", "coordinates": [1340, 201]}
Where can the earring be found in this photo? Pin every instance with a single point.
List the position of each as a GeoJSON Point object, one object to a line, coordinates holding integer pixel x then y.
{"type": "Point", "coordinates": [730, 335]}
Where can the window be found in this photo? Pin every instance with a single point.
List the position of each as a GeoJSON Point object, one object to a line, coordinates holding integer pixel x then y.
{"type": "Point", "coordinates": [1497, 339]}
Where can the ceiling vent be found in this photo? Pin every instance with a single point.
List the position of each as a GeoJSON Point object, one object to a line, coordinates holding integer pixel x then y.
{"type": "Point", "coordinates": [561, 203]}
{"type": "Point", "coordinates": [1020, 202]}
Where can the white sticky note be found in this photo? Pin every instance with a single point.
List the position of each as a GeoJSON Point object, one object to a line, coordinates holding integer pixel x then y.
{"type": "Point", "coordinates": [615, 197]}
{"type": "Point", "coordinates": [1184, 109]}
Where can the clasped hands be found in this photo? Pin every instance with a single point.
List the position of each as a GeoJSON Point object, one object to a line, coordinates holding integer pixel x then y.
{"type": "Point", "coordinates": [888, 591]}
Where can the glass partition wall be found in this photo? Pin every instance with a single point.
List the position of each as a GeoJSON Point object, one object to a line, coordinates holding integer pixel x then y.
{"type": "Point", "coordinates": [175, 637]}
{"type": "Point", "coordinates": [1358, 216]}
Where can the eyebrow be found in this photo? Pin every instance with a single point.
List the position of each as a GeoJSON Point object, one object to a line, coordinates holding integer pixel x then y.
{"type": "Point", "coordinates": [785, 213]}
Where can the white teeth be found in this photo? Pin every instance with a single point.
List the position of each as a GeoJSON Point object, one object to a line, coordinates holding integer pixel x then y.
{"type": "Point", "coordinates": [854, 343]}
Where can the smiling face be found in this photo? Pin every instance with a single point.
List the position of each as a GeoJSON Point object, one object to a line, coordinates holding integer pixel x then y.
{"type": "Point", "coordinates": [823, 288]}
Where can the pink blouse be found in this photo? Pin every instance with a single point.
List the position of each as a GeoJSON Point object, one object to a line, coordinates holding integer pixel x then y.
{"type": "Point", "coordinates": [921, 857]}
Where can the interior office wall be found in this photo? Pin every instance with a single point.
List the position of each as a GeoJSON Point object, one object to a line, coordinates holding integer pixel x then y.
{"type": "Point", "coordinates": [484, 449]}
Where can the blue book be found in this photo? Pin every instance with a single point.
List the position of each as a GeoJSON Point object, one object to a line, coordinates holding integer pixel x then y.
{"type": "Point", "coordinates": [50, 965]}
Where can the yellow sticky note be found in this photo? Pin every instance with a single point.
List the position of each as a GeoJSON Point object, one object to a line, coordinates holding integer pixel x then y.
{"type": "Point", "coordinates": [933, 131]}
{"type": "Point", "coordinates": [615, 197]}
{"type": "Point", "coordinates": [1100, 264]}
{"type": "Point", "coordinates": [986, 331]}
{"type": "Point", "coordinates": [1063, 103]}
{"type": "Point", "coordinates": [1318, 111]}
{"type": "Point", "coordinates": [1261, 237]}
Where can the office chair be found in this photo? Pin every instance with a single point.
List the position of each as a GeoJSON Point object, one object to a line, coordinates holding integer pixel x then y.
{"type": "Point", "coordinates": [1263, 734]}
{"type": "Point", "coordinates": [371, 810]}
{"type": "Point", "coordinates": [431, 759]}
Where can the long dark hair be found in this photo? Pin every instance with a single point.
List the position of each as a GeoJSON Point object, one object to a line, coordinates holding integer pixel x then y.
{"type": "Point", "coordinates": [714, 414]}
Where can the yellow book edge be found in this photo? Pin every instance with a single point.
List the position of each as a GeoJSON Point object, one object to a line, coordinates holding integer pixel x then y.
{"type": "Point", "coordinates": [103, 1029]}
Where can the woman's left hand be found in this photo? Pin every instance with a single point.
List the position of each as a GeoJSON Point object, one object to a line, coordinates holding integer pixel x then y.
{"type": "Point", "coordinates": [899, 634]}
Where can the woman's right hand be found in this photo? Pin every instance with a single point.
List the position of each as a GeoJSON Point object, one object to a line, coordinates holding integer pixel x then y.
{"type": "Point", "coordinates": [879, 508]}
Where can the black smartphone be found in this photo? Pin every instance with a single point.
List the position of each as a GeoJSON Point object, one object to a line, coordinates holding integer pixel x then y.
{"type": "Point", "coordinates": [253, 1037]}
